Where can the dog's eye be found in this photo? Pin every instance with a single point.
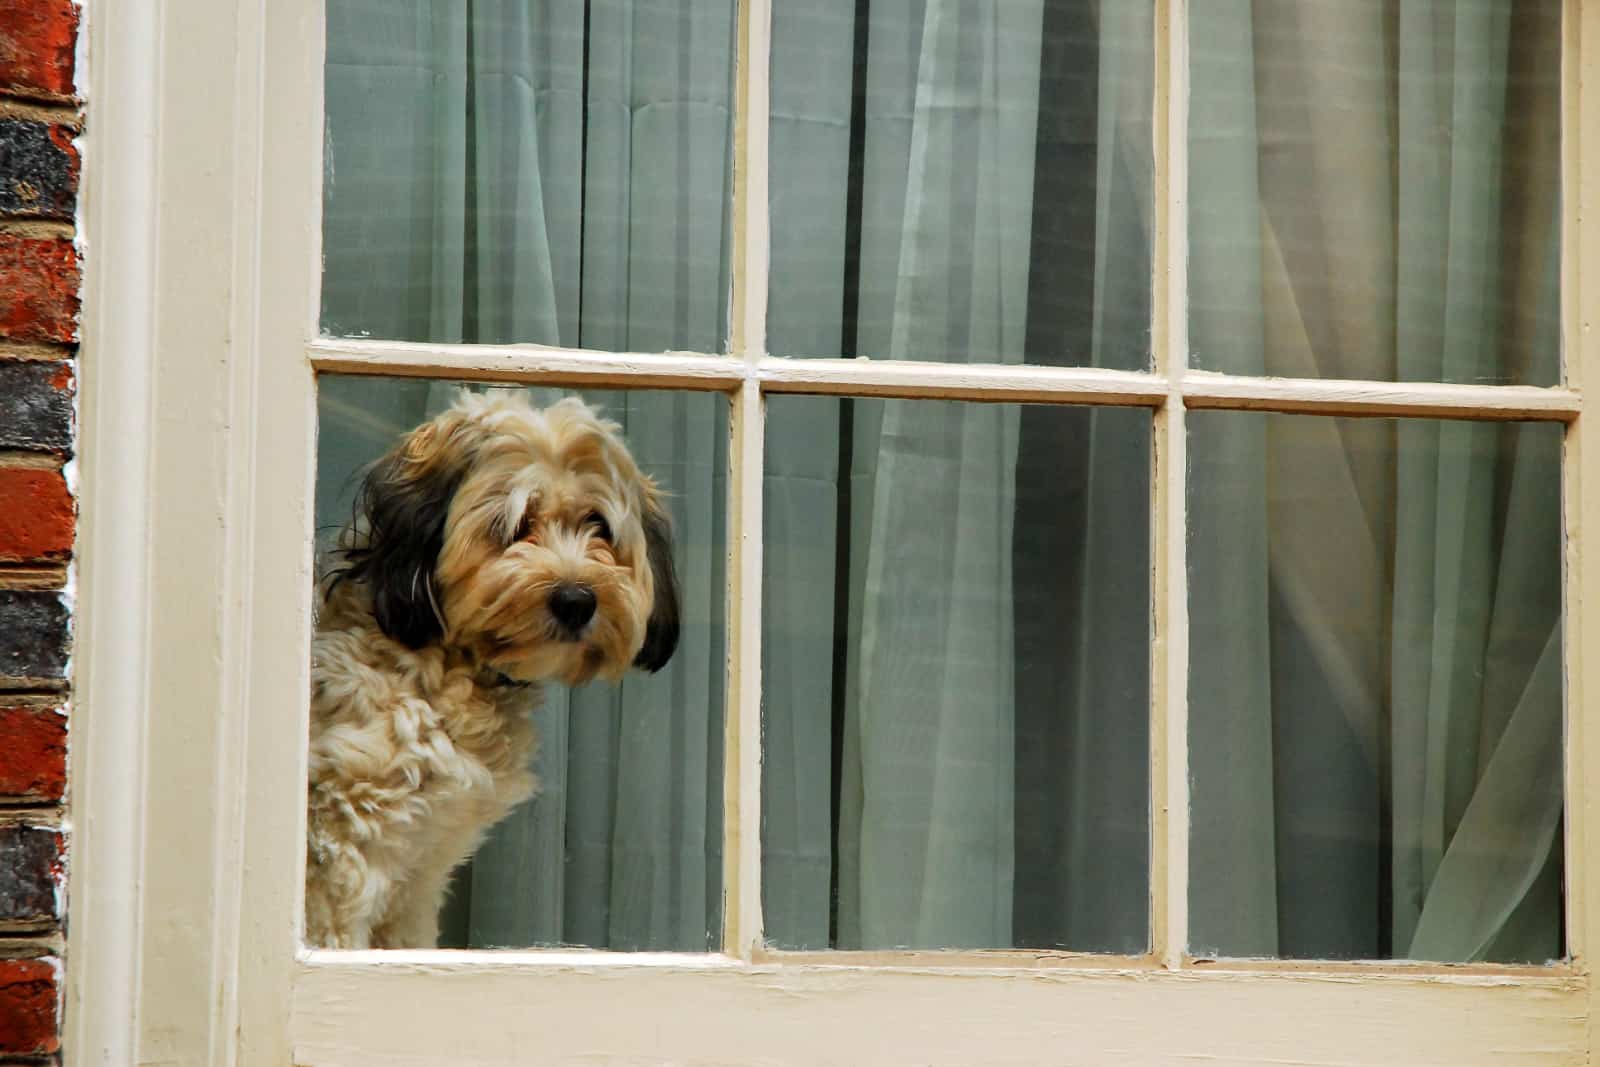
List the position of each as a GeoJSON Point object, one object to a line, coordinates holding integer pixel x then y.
{"type": "Point", "coordinates": [597, 521]}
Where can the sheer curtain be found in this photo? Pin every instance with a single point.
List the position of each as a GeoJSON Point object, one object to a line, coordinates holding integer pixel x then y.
{"type": "Point", "coordinates": [962, 656]}
{"type": "Point", "coordinates": [955, 690]}
{"type": "Point", "coordinates": [1378, 712]}
{"type": "Point", "coordinates": [472, 184]}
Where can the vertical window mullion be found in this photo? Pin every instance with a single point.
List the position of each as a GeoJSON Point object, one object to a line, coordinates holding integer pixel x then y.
{"type": "Point", "coordinates": [742, 928]}
{"type": "Point", "coordinates": [751, 230]}
{"type": "Point", "coordinates": [1169, 775]}
{"type": "Point", "coordinates": [1580, 263]}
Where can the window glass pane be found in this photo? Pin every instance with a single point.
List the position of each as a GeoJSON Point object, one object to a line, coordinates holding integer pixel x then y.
{"type": "Point", "coordinates": [1374, 189]}
{"type": "Point", "coordinates": [1375, 688]}
{"type": "Point", "coordinates": [962, 182]}
{"type": "Point", "coordinates": [529, 170]}
{"type": "Point", "coordinates": [620, 847]}
{"type": "Point", "coordinates": [955, 675]}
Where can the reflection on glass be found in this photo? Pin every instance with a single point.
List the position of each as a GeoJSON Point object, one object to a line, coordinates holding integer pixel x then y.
{"type": "Point", "coordinates": [955, 675]}
{"type": "Point", "coordinates": [962, 182]}
{"type": "Point", "coordinates": [1374, 189]}
{"type": "Point", "coordinates": [1375, 688]}
{"type": "Point", "coordinates": [529, 170]}
{"type": "Point", "coordinates": [621, 847]}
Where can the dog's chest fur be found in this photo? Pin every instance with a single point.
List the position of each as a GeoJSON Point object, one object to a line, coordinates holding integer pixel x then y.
{"type": "Point", "coordinates": [413, 757]}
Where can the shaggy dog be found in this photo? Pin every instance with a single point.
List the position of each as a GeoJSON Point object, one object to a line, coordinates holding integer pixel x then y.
{"type": "Point", "coordinates": [495, 548]}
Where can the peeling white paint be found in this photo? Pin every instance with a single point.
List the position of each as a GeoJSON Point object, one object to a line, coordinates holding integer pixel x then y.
{"type": "Point", "coordinates": [362, 1014]}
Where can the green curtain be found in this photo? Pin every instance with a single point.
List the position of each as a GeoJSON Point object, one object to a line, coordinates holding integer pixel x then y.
{"type": "Point", "coordinates": [1375, 687]}
{"type": "Point", "coordinates": [1376, 679]}
{"type": "Point", "coordinates": [991, 783]}
{"type": "Point", "coordinates": [455, 174]}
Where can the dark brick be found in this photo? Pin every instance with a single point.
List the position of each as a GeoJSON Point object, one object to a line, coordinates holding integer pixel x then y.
{"type": "Point", "coordinates": [29, 1007]}
{"type": "Point", "coordinates": [30, 873]}
{"type": "Point", "coordinates": [38, 288]}
{"type": "Point", "coordinates": [33, 634]}
{"type": "Point", "coordinates": [33, 753]}
{"type": "Point", "coordinates": [38, 170]}
{"type": "Point", "coordinates": [36, 406]}
{"type": "Point", "coordinates": [37, 39]}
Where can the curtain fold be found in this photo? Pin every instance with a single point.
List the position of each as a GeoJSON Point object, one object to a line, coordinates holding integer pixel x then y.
{"type": "Point", "coordinates": [950, 758]}
{"type": "Point", "coordinates": [1233, 821]}
{"type": "Point", "coordinates": [943, 771]}
{"type": "Point", "coordinates": [1412, 572]}
{"type": "Point", "coordinates": [485, 159]}
{"type": "Point", "coordinates": [928, 723]}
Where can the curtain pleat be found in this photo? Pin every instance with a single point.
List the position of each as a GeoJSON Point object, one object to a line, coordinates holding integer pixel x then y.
{"type": "Point", "coordinates": [947, 761]}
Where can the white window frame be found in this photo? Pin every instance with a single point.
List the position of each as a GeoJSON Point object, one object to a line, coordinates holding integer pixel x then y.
{"type": "Point", "coordinates": [201, 215]}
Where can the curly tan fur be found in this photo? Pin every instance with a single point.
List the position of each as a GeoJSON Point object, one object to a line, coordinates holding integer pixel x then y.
{"type": "Point", "coordinates": [437, 623]}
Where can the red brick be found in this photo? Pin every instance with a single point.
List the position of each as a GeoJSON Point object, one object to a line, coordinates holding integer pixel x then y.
{"type": "Point", "coordinates": [37, 39]}
{"type": "Point", "coordinates": [35, 514]}
{"type": "Point", "coordinates": [29, 1007]}
{"type": "Point", "coordinates": [38, 289]}
{"type": "Point", "coordinates": [33, 753]}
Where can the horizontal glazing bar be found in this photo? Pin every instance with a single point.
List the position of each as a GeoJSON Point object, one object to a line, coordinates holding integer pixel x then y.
{"type": "Point", "coordinates": [961, 381]}
{"type": "Point", "coordinates": [527, 363]}
{"type": "Point", "coordinates": [953, 381]}
{"type": "Point", "coordinates": [1207, 389]}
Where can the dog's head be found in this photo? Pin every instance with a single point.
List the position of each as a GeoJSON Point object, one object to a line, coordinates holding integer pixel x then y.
{"type": "Point", "coordinates": [528, 538]}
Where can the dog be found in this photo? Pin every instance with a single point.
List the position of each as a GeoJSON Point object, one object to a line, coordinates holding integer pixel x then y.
{"type": "Point", "coordinates": [496, 548]}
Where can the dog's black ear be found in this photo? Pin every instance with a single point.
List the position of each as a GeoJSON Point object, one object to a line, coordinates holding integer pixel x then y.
{"type": "Point", "coordinates": [401, 508]}
{"type": "Point", "coordinates": [661, 633]}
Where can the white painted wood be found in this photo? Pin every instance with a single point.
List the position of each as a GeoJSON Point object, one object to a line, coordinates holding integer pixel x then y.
{"type": "Point", "coordinates": [1169, 266]}
{"type": "Point", "coordinates": [188, 738]}
{"type": "Point", "coordinates": [687, 370]}
{"type": "Point", "coordinates": [525, 363]}
{"type": "Point", "coordinates": [752, 231]}
{"type": "Point", "coordinates": [1169, 640]}
{"type": "Point", "coordinates": [279, 443]}
{"type": "Point", "coordinates": [960, 381]}
{"type": "Point", "coordinates": [168, 921]}
{"type": "Point", "coordinates": [235, 584]}
{"type": "Point", "coordinates": [111, 706]}
{"type": "Point", "coordinates": [741, 812]}
{"type": "Point", "coordinates": [1003, 962]}
{"type": "Point", "coordinates": [1209, 389]}
{"type": "Point", "coordinates": [1580, 284]}
{"type": "Point", "coordinates": [513, 961]}
{"type": "Point", "coordinates": [413, 1014]}
{"type": "Point", "coordinates": [965, 381]}
{"type": "Point", "coordinates": [955, 959]}
{"type": "Point", "coordinates": [1553, 969]}
{"type": "Point", "coordinates": [741, 793]}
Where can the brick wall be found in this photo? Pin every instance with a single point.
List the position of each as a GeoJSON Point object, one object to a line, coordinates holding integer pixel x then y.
{"type": "Point", "coordinates": [40, 119]}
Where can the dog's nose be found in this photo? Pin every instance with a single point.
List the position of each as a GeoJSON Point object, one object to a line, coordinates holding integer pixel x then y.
{"type": "Point", "coordinates": [572, 605]}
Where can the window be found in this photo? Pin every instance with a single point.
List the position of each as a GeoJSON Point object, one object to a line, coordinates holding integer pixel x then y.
{"type": "Point", "coordinates": [1145, 453]}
